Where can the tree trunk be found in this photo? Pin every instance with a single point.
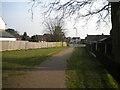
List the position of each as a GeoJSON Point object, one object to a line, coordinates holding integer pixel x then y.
{"type": "Point", "coordinates": [115, 33]}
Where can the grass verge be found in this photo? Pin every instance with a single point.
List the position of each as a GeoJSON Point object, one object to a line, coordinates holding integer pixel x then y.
{"type": "Point", "coordinates": [15, 63]}
{"type": "Point", "coordinates": [20, 59]}
{"type": "Point", "coordinates": [85, 71]}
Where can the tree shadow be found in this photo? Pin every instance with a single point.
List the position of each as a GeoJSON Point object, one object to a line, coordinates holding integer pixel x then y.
{"type": "Point", "coordinates": [40, 63]}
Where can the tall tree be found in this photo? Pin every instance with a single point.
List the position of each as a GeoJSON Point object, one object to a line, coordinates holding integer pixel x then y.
{"type": "Point", "coordinates": [34, 38]}
{"type": "Point", "coordinates": [25, 37]}
{"type": "Point", "coordinates": [56, 29]}
{"type": "Point", "coordinates": [68, 40]}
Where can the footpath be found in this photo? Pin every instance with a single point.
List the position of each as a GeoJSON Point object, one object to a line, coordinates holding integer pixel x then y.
{"type": "Point", "coordinates": [49, 74]}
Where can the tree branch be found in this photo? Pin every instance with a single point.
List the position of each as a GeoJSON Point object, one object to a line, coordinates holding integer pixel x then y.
{"type": "Point", "coordinates": [81, 8]}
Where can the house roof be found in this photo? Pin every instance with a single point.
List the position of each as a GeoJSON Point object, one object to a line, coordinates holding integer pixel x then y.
{"type": "Point", "coordinates": [76, 38]}
{"type": "Point", "coordinates": [90, 38]}
{"type": "Point", "coordinates": [5, 34]}
{"type": "Point", "coordinates": [106, 39]}
{"type": "Point", "coordinates": [95, 38]}
{"type": "Point", "coordinates": [113, 0]}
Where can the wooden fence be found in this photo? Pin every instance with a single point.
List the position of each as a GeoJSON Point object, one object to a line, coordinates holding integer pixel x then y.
{"type": "Point", "coordinates": [16, 45]}
{"type": "Point", "coordinates": [103, 51]}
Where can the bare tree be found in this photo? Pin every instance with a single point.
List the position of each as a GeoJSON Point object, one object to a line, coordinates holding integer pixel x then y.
{"type": "Point", "coordinates": [87, 9]}
{"type": "Point", "coordinates": [80, 9]}
{"type": "Point", "coordinates": [55, 27]}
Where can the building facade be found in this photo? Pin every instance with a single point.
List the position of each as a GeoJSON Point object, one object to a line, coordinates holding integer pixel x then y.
{"type": "Point", "coordinates": [5, 36]}
{"type": "Point", "coordinates": [2, 24]}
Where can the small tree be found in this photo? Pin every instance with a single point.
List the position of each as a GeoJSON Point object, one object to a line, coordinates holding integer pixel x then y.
{"type": "Point", "coordinates": [68, 40]}
{"type": "Point", "coordinates": [25, 37]}
{"type": "Point", "coordinates": [34, 38]}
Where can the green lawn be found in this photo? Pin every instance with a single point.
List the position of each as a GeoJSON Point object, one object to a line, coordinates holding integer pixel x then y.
{"type": "Point", "coordinates": [85, 71]}
{"type": "Point", "coordinates": [16, 63]}
{"type": "Point", "coordinates": [22, 59]}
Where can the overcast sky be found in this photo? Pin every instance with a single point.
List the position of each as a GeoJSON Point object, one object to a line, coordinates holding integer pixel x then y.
{"type": "Point", "coordinates": [16, 15]}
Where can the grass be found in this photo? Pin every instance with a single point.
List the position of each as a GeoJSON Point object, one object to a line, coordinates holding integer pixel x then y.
{"type": "Point", "coordinates": [85, 71]}
{"type": "Point", "coordinates": [22, 59]}
{"type": "Point", "coordinates": [16, 63]}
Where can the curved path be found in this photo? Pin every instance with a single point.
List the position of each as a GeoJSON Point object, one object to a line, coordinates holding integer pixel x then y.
{"type": "Point", "coordinates": [49, 74]}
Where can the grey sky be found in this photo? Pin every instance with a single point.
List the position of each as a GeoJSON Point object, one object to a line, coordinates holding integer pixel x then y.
{"type": "Point", "coordinates": [16, 15]}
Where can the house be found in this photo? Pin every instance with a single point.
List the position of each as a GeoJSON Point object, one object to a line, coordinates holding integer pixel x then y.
{"type": "Point", "coordinates": [14, 33]}
{"type": "Point", "coordinates": [75, 40]}
{"type": "Point", "coordinates": [2, 24]}
{"type": "Point", "coordinates": [82, 41]}
{"type": "Point", "coordinates": [3, 34]}
{"type": "Point", "coordinates": [95, 38]}
{"type": "Point", "coordinates": [92, 41]}
{"type": "Point", "coordinates": [40, 38]}
{"type": "Point", "coordinates": [46, 37]}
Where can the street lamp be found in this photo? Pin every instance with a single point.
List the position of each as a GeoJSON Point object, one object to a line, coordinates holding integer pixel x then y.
{"type": "Point", "coordinates": [76, 35]}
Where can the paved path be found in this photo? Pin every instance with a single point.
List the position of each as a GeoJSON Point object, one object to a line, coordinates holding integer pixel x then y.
{"type": "Point", "coordinates": [50, 74]}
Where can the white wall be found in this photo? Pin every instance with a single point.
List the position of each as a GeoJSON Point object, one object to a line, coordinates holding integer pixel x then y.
{"type": "Point", "coordinates": [7, 39]}
{"type": "Point", "coordinates": [2, 24]}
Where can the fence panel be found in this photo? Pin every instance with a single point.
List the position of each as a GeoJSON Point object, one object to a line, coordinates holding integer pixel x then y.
{"type": "Point", "coordinates": [14, 45]}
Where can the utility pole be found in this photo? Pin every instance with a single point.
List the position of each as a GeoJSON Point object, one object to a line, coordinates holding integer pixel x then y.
{"type": "Point", "coordinates": [76, 35]}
